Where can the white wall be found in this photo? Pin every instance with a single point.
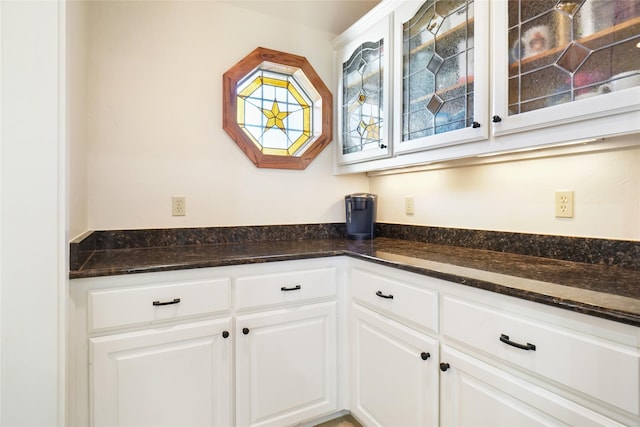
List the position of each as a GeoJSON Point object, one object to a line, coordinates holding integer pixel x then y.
{"type": "Point", "coordinates": [32, 199]}
{"type": "Point", "coordinates": [155, 120]}
{"type": "Point", "coordinates": [519, 196]}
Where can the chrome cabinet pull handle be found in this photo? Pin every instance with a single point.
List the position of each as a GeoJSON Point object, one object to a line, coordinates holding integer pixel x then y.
{"type": "Point", "coordinates": [295, 288]}
{"type": "Point", "coordinates": [381, 295]}
{"type": "Point", "coordinates": [505, 339]}
{"type": "Point", "coordinates": [174, 301]}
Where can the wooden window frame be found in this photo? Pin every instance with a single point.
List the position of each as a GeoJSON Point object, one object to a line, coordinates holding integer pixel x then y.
{"type": "Point", "coordinates": [230, 104]}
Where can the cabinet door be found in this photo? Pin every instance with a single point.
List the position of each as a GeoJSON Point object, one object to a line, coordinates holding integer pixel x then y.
{"type": "Point", "coordinates": [286, 365]}
{"type": "Point", "coordinates": [364, 91]}
{"type": "Point", "coordinates": [567, 61]}
{"type": "Point", "coordinates": [477, 394]}
{"type": "Point", "coordinates": [441, 91]}
{"type": "Point", "coordinates": [394, 373]}
{"type": "Point", "coordinates": [172, 376]}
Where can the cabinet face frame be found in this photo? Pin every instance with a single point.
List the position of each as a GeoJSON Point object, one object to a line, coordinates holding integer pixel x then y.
{"type": "Point", "coordinates": [480, 82]}
{"type": "Point", "coordinates": [378, 31]}
{"type": "Point", "coordinates": [618, 112]}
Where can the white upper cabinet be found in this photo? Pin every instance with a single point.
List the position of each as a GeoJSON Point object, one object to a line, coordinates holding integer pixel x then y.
{"type": "Point", "coordinates": [570, 68]}
{"type": "Point", "coordinates": [562, 71]}
{"type": "Point", "coordinates": [441, 53]}
{"type": "Point", "coordinates": [363, 101]}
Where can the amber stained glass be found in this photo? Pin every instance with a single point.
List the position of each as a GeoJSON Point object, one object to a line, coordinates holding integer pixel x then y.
{"type": "Point", "coordinates": [275, 112]}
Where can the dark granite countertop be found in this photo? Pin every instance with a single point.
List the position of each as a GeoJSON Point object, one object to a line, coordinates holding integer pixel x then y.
{"type": "Point", "coordinates": [610, 292]}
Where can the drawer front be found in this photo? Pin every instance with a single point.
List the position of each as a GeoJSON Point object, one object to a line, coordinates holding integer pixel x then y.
{"type": "Point", "coordinates": [285, 288]}
{"type": "Point", "coordinates": [139, 305]}
{"type": "Point", "coordinates": [601, 369]}
{"type": "Point", "coordinates": [404, 301]}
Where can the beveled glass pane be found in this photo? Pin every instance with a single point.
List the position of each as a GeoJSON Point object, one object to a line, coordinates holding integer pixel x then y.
{"type": "Point", "coordinates": [362, 98]}
{"type": "Point", "coordinates": [438, 68]}
{"type": "Point", "coordinates": [589, 42]}
{"type": "Point", "coordinates": [573, 57]}
{"type": "Point", "coordinates": [531, 8]}
{"type": "Point", "coordinates": [544, 82]}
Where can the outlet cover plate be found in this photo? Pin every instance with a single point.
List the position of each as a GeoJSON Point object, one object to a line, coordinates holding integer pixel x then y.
{"type": "Point", "coordinates": [564, 204]}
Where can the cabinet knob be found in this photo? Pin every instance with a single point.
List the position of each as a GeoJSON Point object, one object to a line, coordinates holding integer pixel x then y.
{"type": "Point", "coordinates": [496, 119]}
{"type": "Point", "coordinates": [225, 334]}
{"type": "Point", "coordinates": [425, 355]}
{"type": "Point", "coordinates": [475, 125]}
{"type": "Point", "coordinates": [444, 367]}
{"type": "Point", "coordinates": [383, 146]}
{"type": "Point", "coordinates": [245, 331]}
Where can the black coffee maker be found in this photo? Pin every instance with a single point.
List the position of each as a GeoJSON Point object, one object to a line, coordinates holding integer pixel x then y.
{"type": "Point", "coordinates": [361, 215]}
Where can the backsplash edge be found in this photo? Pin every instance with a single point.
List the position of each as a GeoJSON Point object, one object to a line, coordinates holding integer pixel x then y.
{"type": "Point", "coordinates": [621, 253]}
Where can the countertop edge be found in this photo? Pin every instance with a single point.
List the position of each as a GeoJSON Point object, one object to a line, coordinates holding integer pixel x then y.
{"type": "Point", "coordinates": [574, 305]}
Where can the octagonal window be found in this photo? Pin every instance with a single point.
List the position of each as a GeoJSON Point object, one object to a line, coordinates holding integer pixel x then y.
{"type": "Point", "coordinates": [277, 109]}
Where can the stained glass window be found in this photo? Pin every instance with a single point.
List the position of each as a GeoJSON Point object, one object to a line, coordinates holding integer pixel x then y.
{"type": "Point", "coordinates": [566, 50]}
{"type": "Point", "coordinates": [437, 73]}
{"type": "Point", "coordinates": [275, 112]}
{"type": "Point", "coordinates": [277, 109]}
{"type": "Point", "coordinates": [363, 98]}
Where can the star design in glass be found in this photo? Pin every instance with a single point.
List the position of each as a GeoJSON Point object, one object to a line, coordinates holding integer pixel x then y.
{"type": "Point", "coordinates": [373, 130]}
{"type": "Point", "coordinates": [275, 117]}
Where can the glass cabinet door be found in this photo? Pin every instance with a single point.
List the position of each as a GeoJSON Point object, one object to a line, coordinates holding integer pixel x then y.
{"type": "Point", "coordinates": [364, 92]}
{"type": "Point", "coordinates": [558, 52]}
{"type": "Point", "coordinates": [441, 92]}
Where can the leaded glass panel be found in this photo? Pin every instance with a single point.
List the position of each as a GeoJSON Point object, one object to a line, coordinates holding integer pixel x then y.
{"type": "Point", "coordinates": [565, 50]}
{"type": "Point", "coordinates": [274, 111]}
{"type": "Point", "coordinates": [437, 69]}
{"type": "Point", "coordinates": [362, 109]}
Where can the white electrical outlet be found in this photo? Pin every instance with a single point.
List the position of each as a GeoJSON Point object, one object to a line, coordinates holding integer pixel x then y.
{"type": "Point", "coordinates": [564, 204]}
{"type": "Point", "coordinates": [178, 206]}
{"type": "Point", "coordinates": [409, 205]}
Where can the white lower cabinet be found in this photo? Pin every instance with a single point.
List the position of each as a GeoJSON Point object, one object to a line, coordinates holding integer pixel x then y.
{"type": "Point", "coordinates": [286, 365]}
{"type": "Point", "coordinates": [284, 343]}
{"type": "Point", "coordinates": [174, 376]}
{"type": "Point", "coordinates": [394, 372]}
{"type": "Point", "coordinates": [474, 393]}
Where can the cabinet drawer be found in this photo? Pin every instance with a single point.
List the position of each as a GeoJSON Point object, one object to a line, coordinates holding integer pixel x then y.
{"type": "Point", "coordinates": [285, 288]}
{"type": "Point", "coordinates": [601, 369]}
{"type": "Point", "coordinates": [409, 302]}
{"type": "Point", "coordinates": [139, 305]}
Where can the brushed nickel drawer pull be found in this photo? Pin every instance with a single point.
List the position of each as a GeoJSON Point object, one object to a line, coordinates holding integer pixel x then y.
{"type": "Point", "coordinates": [175, 301]}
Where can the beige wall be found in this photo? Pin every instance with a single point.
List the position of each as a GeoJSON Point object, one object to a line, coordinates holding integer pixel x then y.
{"type": "Point", "coordinates": [154, 121]}
{"type": "Point", "coordinates": [76, 95]}
{"type": "Point", "coordinates": [519, 196]}
{"type": "Point", "coordinates": [154, 130]}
